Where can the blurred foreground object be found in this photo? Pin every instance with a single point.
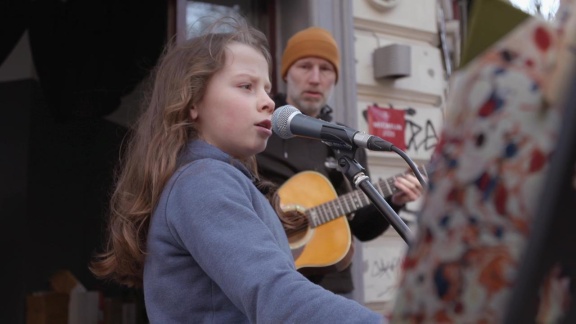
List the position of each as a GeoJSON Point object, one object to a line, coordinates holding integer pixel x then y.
{"type": "Point", "coordinates": [489, 170]}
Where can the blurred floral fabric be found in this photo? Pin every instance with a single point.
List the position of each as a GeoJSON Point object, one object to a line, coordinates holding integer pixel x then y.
{"type": "Point", "coordinates": [488, 171]}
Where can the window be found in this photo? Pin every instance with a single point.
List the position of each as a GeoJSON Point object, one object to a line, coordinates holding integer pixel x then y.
{"type": "Point", "coordinates": [189, 17]}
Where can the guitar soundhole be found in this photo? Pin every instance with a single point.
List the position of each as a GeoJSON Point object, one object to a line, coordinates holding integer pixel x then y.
{"type": "Point", "coordinates": [298, 240]}
{"type": "Point", "coordinates": [295, 223]}
{"type": "Point", "coordinates": [297, 236]}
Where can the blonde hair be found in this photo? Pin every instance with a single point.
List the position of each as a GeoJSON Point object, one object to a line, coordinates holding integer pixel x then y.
{"type": "Point", "coordinates": [179, 81]}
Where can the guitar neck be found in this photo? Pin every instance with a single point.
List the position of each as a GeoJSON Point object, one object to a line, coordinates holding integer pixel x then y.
{"type": "Point", "coordinates": [348, 203]}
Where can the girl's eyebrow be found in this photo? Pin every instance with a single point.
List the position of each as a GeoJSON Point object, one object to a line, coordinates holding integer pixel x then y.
{"type": "Point", "coordinates": [266, 82]}
{"type": "Point", "coordinates": [246, 74]}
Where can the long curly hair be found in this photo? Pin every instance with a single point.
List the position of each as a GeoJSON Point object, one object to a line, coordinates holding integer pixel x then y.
{"type": "Point", "coordinates": [164, 128]}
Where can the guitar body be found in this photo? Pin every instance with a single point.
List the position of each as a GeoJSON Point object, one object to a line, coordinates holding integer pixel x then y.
{"type": "Point", "coordinates": [324, 248]}
{"type": "Point", "coordinates": [318, 232]}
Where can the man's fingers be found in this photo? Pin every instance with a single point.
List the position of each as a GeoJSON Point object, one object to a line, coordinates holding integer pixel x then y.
{"type": "Point", "coordinates": [409, 182]}
{"type": "Point", "coordinates": [409, 187]}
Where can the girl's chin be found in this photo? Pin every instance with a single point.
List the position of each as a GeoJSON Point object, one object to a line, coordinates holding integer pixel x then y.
{"type": "Point", "coordinates": [252, 151]}
{"type": "Point", "coordinates": [261, 149]}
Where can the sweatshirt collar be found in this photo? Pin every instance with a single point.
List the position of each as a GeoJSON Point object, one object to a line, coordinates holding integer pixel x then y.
{"type": "Point", "coordinates": [199, 149]}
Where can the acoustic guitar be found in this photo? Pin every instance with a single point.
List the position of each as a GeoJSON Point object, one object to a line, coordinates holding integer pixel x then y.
{"type": "Point", "coordinates": [323, 242]}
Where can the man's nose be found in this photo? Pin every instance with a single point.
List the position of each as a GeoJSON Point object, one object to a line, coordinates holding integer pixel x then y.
{"type": "Point", "coordinates": [315, 74]}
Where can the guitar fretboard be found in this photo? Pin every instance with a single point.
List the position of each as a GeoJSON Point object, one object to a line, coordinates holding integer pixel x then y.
{"type": "Point", "coordinates": [348, 203]}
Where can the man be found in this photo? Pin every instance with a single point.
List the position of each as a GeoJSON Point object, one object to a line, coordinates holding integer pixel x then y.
{"type": "Point", "coordinates": [310, 68]}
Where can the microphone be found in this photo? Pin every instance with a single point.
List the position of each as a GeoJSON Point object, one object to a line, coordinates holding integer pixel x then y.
{"type": "Point", "coordinates": [287, 122]}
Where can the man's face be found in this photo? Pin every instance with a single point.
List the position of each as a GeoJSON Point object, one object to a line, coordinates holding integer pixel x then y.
{"type": "Point", "coordinates": [309, 84]}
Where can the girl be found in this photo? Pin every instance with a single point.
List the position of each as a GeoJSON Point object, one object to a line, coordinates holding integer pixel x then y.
{"type": "Point", "coordinates": [187, 221]}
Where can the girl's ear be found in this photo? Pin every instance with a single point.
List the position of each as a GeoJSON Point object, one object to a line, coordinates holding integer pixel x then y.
{"type": "Point", "coordinates": [193, 113]}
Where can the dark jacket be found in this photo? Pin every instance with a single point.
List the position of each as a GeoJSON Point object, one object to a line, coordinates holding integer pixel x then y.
{"type": "Point", "coordinates": [284, 158]}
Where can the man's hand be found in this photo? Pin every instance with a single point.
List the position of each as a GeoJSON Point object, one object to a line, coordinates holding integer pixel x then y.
{"type": "Point", "coordinates": [409, 189]}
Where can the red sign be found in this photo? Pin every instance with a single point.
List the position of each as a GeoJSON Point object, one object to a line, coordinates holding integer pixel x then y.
{"type": "Point", "coordinates": [388, 124]}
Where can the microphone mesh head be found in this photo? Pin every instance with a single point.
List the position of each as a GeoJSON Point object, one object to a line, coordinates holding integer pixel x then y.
{"type": "Point", "coordinates": [281, 121]}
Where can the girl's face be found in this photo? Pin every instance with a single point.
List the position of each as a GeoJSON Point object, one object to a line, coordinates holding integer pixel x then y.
{"type": "Point", "coordinates": [235, 114]}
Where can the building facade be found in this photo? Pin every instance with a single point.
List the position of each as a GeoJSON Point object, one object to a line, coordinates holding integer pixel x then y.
{"type": "Point", "coordinates": [423, 38]}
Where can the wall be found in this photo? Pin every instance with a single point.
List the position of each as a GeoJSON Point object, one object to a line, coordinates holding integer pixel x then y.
{"type": "Point", "coordinates": [359, 27]}
{"type": "Point", "coordinates": [412, 23]}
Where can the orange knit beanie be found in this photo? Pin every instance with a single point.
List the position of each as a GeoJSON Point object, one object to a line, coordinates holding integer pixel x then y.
{"type": "Point", "coordinates": [312, 41]}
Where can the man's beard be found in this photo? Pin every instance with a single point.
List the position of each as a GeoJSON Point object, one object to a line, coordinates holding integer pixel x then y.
{"type": "Point", "coordinates": [310, 108]}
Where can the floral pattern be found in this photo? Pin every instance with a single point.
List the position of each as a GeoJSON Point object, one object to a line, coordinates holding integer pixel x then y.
{"type": "Point", "coordinates": [488, 172]}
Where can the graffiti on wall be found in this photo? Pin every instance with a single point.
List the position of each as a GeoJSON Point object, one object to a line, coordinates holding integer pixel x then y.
{"type": "Point", "coordinates": [382, 260]}
{"type": "Point", "coordinates": [420, 137]}
{"type": "Point", "coordinates": [420, 132]}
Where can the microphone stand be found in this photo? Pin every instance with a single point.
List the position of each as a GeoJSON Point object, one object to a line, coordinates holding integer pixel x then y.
{"type": "Point", "coordinates": [354, 172]}
{"type": "Point", "coordinates": [412, 165]}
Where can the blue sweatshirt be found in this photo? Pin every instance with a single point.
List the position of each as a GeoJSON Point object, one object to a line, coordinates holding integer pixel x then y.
{"type": "Point", "coordinates": [217, 253]}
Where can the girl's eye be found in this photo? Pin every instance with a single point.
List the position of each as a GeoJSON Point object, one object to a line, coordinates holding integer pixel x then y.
{"type": "Point", "coordinates": [246, 86]}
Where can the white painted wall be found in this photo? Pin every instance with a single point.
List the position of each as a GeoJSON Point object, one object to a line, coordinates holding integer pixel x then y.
{"type": "Point", "coordinates": [411, 19]}
{"type": "Point", "coordinates": [359, 27]}
{"type": "Point", "coordinates": [412, 23]}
